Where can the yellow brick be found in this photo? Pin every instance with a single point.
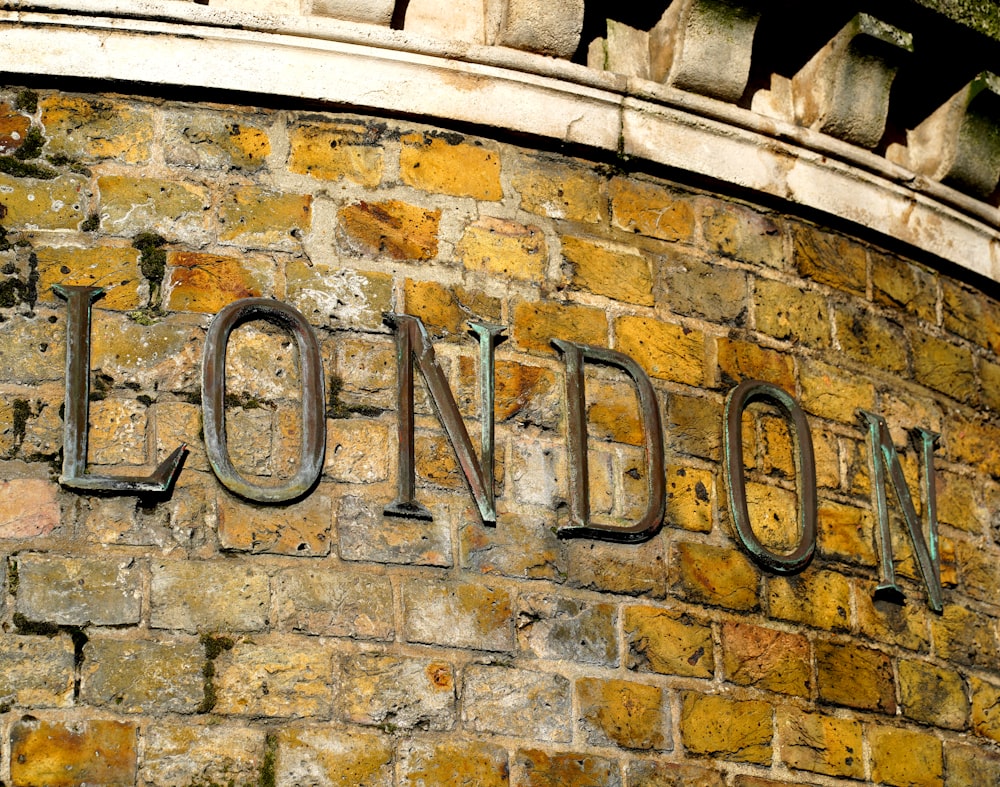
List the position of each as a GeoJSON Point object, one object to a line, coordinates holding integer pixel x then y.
{"type": "Point", "coordinates": [59, 204]}
{"type": "Point", "coordinates": [133, 205]}
{"type": "Point", "coordinates": [922, 765]}
{"type": "Point", "coordinates": [830, 259]}
{"type": "Point", "coordinates": [846, 533]}
{"type": "Point", "coordinates": [870, 340]}
{"type": "Point", "coordinates": [663, 350]}
{"type": "Point", "coordinates": [970, 314]}
{"type": "Point", "coordinates": [813, 598]}
{"type": "Point", "coordinates": [884, 621]}
{"type": "Point", "coordinates": [743, 234]}
{"type": "Point", "coordinates": [13, 128]}
{"type": "Point", "coordinates": [444, 166]}
{"type": "Point", "coordinates": [335, 151]}
{"type": "Point", "coordinates": [392, 228]}
{"type": "Point", "coordinates": [216, 141]}
{"type": "Point", "coordinates": [933, 695]}
{"type": "Point", "coordinates": [207, 282]}
{"type": "Point", "coordinates": [822, 744]}
{"type": "Point", "coordinates": [622, 713]}
{"type": "Point", "coordinates": [257, 217]}
{"type": "Point", "coordinates": [847, 674]}
{"type": "Point", "coordinates": [706, 574]}
{"type": "Point", "coordinates": [651, 210]}
{"type": "Point", "coordinates": [790, 313]}
{"type": "Point", "coordinates": [739, 360]}
{"type": "Point", "coordinates": [728, 729]}
{"type": "Point", "coordinates": [64, 754]}
{"type": "Point", "coordinates": [668, 642]}
{"type": "Point", "coordinates": [689, 498]}
{"type": "Point", "coordinates": [766, 659]}
{"type": "Point", "coordinates": [536, 324]}
{"type": "Point", "coordinates": [303, 528]}
{"type": "Point", "coordinates": [903, 285]}
{"type": "Point", "coordinates": [551, 188]}
{"type": "Point", "coordinates": [504, 248]}
{"type": "Point", "coordinates": [97, 128]}
{"type": "Point", "coordinates": [944, 366]}
{"type": "Point", "coordinates": [338, 758]}
{"type": "Point", "coordinates": [612, 271]}
{"type": "Point", "coordinates": [114, 268]}
{"type": "Point", "coordinates": [830, 393]}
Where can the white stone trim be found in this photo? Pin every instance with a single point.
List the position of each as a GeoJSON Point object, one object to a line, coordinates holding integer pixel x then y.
{"type": "Point", "coordinates": [374, 68]}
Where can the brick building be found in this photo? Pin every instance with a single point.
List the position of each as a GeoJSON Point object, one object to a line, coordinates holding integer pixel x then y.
{"type": "Point", "coordinates": [740, 524]}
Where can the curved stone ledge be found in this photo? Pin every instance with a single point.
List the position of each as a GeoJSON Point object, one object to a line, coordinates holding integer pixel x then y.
{"type": "Point", "coordinates": [366, 66]}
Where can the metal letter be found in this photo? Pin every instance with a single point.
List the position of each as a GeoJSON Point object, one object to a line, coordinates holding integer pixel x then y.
{"type": "Point", "coordinates": [213, 394]}
{"type": "Point", "coordinates": [885, 460]}
{"type": "Point", "coordinates": [579, 476]}
{"type": "Point", "coordinates": [77, 409]}
{"type": "Point", "coordinates": [746, 393]}
{"type": "Point", "coordinates": [412, 342]}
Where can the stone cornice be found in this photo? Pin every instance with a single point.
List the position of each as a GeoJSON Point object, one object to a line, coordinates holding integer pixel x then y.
{"type": "Point", "coordinates": [793, 140]}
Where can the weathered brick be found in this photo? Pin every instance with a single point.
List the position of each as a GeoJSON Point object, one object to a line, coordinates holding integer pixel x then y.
{"type": "Point", "coordinates": [174, 209]}
{"type": "Point", "coordinates": [551, 627]}
{"type": "Point", "coordinates": [179, 754]}
{"type": "Point", "coordinates": [207, 282]}
{"type": "Point", "coordinates": [632, 569]}
{"type": "Point", "coordinates": [651, 210]}
{"type": "Point", "coordinates": [143, 676]}
{"type": "Point", "coordinates": [706, 574]}
{"type": "Point", "coordinates": [59, 204]}
{"type": "Point", "coordinates": [258, 218]}
{"type": "Point", "coordinates": [90, 128]}
{"type": "Point", "coordinates": [447, 311]}
{"type": "Point", "coordinates": [903, 285]}
{"type": "Point", "coordinates": [846, 533]}
{"type": "Point", "coordinates": [337, 151]}
{"type": "Point", "coordinates": [972, 442]}
{"type": "Point", "coordinates": [664, 351]}
{"type": "Point", "coordinates": [742, 234]}
{"type": "Point", "coordinates": [774, 516]}
{"type": "Point", "coordinates": [303, 528]}
{"type": "Point", "coordinates": [857, 677]}
{"type": "Point", "coordinates": [791, 313]}
{"type": "Point", "coordinates": [334, 757]}
{"type": "Point", "coordinates": [624, 714]}
{"type": "Point", "coordinates": [700, 289]}
{"type": "Point", "coordinates": [29, 507]}
{"type": "Point", "coordinates": [13, 128]}
{"type": "Point", "coordinates": [407, 693]}
{"type": "Point", "coordinates": [71, 753]}
{"type": "Point", "coordinates": [391, 228]}
{"type": "Point", "coordinates": [334, 603]}
{"type": "Point", "coordinates": [923, 765]}
{"type": "Point", "coordinates": [656, 773]}
{"type": "Point", "coordinates": [498, 247]}
{"type": "Point", "coordinates": [943, 366]}
{"type": "Point", "coordinates": [508, 701]}
{"type": "Point", "coordinates": [208, 596]}
{"type": "Point", "coordinates": [964, 636]}
{"type": "Point", "coordinates": [332, 295]}
{"type": "Point", "coordinates": [212, 140]}
{"type": "Point", "coordinates": [966, 765]}
{"type": "Point", "coordinates": [694, 425]}
{"type": "Point", "coordinates": [72, 591]}
{"type": "Point", "coordinates": [814, 598]}
{"type": "Point", "coordinates": [690, 492]}
{"type": "Point", "coordinates": [536, 324]}
{"type": "Point", "coordinates": [728, 729]}
{"type": "Point", "coordinates": [739, 360]}
{"type": "Point", "coordinates": [445, 166]}
{"type": "Point", "coordinates": [830, 259]}
{"type": "Point", "coordinates": [290, 678]}
{"type": "Point", "coordinates": [870, 340]}
{"type": "Point", "coordinates": [985, 708]}
{"type": "Point", "coordinates": [501, 550]}
{"type": "Point", "coordinates": [822, 744]}
{"type": "Point", "coordinates": [364, 533]}
{"type": "Point", "coordinates": [552, 188]}
{"type": "Point", "coordinates": [616, 272]}
{"type": "Point", "coordinates": [36, 672]}
{"type": "Point", "coordinates": [969, 314]}
{"type": "Point", "coordinates": [537, 768]}
{"type": "Point", "coordinates": [933, 695]}
{"type": "Point", "coordinates": [668, 642]}
{"type": "Point", "coordinates": [766, 659]}
{"type": "Point", "coordinates": [458, 615]}
{"type": "Point", "coordinates": [884, 621]}
{"type": "Point", "coordinates": [116, 269]}
{"type": "Point", "coordinates": [453, 762]}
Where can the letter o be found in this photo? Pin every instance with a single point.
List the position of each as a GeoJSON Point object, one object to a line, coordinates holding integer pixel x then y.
{"type": "Point", "coordinates": [213, 396]}
{"type": "Point", "coordinates": [739, 398]}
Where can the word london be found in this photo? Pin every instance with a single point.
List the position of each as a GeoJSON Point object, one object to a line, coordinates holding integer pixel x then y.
{"type": "Point", "coordinates": [413, 344]}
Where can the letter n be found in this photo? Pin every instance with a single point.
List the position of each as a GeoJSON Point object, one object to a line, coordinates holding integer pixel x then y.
{"type": "Point", "coordinates": [413, 343]}
{"type": "Point", "coordinates": [885, 464]}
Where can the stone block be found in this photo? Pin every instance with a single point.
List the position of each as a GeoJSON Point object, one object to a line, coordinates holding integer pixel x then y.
{"type": "Point", "coordinates": [391, 228]}
{"type": "Point", "coordinates": [29, 507]}
{"type": "Point", "coordinates": [664, 351]}
{"type": "Point", "coordinates": [443, 165]}
{"type": "Point", "coordinates": [651, 210]}
{"type": "Point", "coordinates": [630, 569]}
{"type": "Point", "coordinates": [365, 533]}
{"type": "Point", "coordinates": [36, 672]}
{"type": "Point", "coordinates": [303, 529]}
{"type": "Point", "coordinates": [616, 272]}
{"type": "Point", "coordinates": [59, 204]}
{"type": "Point", "coordinates": [718, 576]}
{"type": "Point", "coordinates": [70, 753]}
{"type": "Point", "coordinates": [551, 627]}
{"type": "Point", "coordinates": [71, 591]}
{"type": "Point", "coordinates": [257, 218]}
{"type": "Point", "coordinates": [180, 754]}
{"type": "Point", "coordinates": [458, 615]}
{"type": "Point", "coordinates": [499, 247]}
{"type": "Point", "coordinates": [174, 209]}
{"type": "Point", "coordinates": [508, 701]}
{"type": "Point", "coordinates": [544, 27]}
{"type": "Point", "coordinates": [766, 659]}
{"type": "Point", "coordinates": [334, 603]}
{"type": "Point", "coordinates": [736, 730]}
{"type": "Point", "coordinates": [338, 151]}
{"type": "Point", "coordinates": [335, 757]}
{"type": "Point", "coordinates": [668, 642]}
{"type": "Point", "coordinates": [537, 768]}
{"type": "Point", "coordinates": [292, 678]}
{"type": "Point", "coordinates": [854, 676]}
{"type": "Point", "coordinates": [143, 676]}
{"type": "Point", "coordinates": [623, 714]}
{"type": "Point", "coordinates": [216, 141]}
{"type": "Point", "coordinates": [407, 693]}
{"type": "Point", "coordinates": [332, 296]}
{"type": "Point", "coordinates": [116, 269]}
{"type": "Point", "coordinates": [208, 596]}
{"type": "Point", "coordinates": [656, 773]}
{"type": "Point", "coordinates": [453, 761]}
{"type": "Point", "coordinates": [91, 128]}
{"type": "Point", "coordinates": [205, 283]}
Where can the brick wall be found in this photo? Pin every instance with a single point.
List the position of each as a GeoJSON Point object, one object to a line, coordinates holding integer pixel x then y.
{"type": "Point", "coordinates": [200, 639]}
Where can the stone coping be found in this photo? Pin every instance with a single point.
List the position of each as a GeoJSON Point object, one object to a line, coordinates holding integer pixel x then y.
{"type": "Point", "coordinates": [375, 68]}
